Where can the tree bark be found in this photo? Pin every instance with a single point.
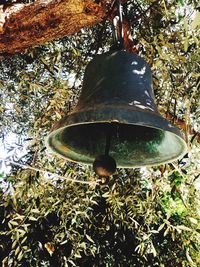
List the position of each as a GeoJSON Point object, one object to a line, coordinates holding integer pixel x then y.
{"type": "Point", "coordinates": [25, 25]}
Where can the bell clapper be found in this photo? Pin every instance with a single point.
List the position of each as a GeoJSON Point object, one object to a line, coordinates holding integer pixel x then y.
{"type": "Point", "coordinates": [104, 165]}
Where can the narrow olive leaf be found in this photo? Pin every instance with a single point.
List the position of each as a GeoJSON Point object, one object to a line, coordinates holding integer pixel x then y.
{"type": "Point", "coordinates": [20, 256]}
{"type": "Point", "coordinates": [196, 22]}
{"type": "Point", "coordinates": [31, 218]}
{"type": "Point", "coordinates": [188, 256]}
{"type": "Point", "coordinates": [196, 40]}
{"type": "Point", "coordinates": [77, 255]}
{"type": "Point", "coordinates": [107, 194]}
{"type": "Point", "coordinates": [173, 235]}
{"type": "Point", "coordinates": [83, 245]}
{"type": "Point", "coordinates": [153, 250]}
{"type": "Point", "coordinates": [70, 261]}
{"type": "Point", "coordinates": [166, 231]}
{"type": "Point", "coordinates": [10, 226]}
{"type": "Point", "coordinates": [193, 220]}
{"type": "Point", "coordinates": [161, 227]}
{"type": "Point", "coordinates": [17, 250]}
{"type": "Point", "coordinates": [14, 244]}
{"type": "Point", "coordinates": [154, 231]}
{"type": "Point", "coordinates": [23, 240]}
{"type": "Point", "coordinates": [14, 223]}
{"type": "Point", "coordinates": [35, 211]}
{"type": "Point", "coordinates": [20, 217]}
{"type": "Point", "coordinates": [89, 238]}
{"type": "Point", "coordinates": [183, 227]}
{"type": "Point", "coordinates": [186, 44]}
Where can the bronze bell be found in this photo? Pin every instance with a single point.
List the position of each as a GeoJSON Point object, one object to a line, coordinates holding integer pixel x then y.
{"type": "Point", "coordinates": [117, 94]}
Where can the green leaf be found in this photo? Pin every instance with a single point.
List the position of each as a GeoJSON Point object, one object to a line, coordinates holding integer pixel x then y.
{"type": "Point", "coordinates": [77, 255]}
{"type": "Point", "coordinates": [23, 240]}
{"type": "Point", "coordinates": [193, 220]}
{"type": "Point", "coordinates": [73, 264]}
{"type": "Point", "coordinates": [154, 231]}
{"type": "Point", "coordinates": [153, 250]}
{"type": "Point", "coordinates": [196, 22]}
{"type": "Point", "coordinates": [20, 256]}
{"type": "Point", "coordinates": [31, 218]}
{"type": "Point", "coordinates": [196, 40]}
{"type": "Point", "coordinates": [188, 256]}
{"type": "Point", "coordinates": [183, 227]}
{"type": "Point", "coordinates": [161, 227]}
{"type": "Point", "coordinates": [173, 235]}
{"type": "Point", "coordinates": [14, 244]}
{"type": "Point", "coordinates": [106, 195]}
{"type": "Point", "coordinates": [186, 44]}
{"type": "Point", "coordinates": [14, 223]}
{"type": "Point", "coordinates": [89, 238]}
{"type": "Point", "coordinates": [17, 250]}
{"type": "Point", "coordinates": [35, 211]}
{"type": "Point", "coordinates": [166, 231]}
{"type": "Point", "coordinates": [83, 245]}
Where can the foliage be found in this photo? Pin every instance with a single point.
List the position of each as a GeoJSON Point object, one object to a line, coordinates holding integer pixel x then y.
{"type": "Point", "coordinates": [142, 217]}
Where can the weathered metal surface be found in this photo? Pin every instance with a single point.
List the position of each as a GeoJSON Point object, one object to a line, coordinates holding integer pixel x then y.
{"type": "Point", "coordinates": [117, 92]}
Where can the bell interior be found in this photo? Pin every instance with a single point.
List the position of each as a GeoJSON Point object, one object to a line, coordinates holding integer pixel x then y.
{"type": "Point", "coordinates": [131, 145]}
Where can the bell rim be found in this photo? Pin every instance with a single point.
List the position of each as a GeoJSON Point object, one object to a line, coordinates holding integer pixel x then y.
{"type": "Point", "coordinates": [118, 165]}
{"type": "Point", "coordinates": [75, 119]}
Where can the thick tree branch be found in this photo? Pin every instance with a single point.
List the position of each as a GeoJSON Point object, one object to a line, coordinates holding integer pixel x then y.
{"type": "Point", "coordinates": [26, 25]}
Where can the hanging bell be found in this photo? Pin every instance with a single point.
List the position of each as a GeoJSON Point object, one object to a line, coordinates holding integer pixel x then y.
{"type": "Point", "coordinates": [117, 94]}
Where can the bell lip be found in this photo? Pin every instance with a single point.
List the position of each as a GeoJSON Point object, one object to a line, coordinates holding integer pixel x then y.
{"type": "Point", "coordinates": [118, 165]}
{"type": "Point", "coordinates": [79, 118]}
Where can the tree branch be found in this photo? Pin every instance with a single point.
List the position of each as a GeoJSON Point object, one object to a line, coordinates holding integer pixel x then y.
{"type": "Point", "coordinates": [25, 25]}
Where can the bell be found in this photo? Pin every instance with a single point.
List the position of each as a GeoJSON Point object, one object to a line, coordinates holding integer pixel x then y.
{"type": "Point", "coordinates": [117, 97]}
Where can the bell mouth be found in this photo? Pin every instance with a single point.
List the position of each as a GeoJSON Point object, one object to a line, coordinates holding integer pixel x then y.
{"type": "Point", "coordinates": [132, 145]}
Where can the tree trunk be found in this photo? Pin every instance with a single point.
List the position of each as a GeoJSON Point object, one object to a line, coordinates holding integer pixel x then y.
{"type": "Point", "coordinates": [26, 25]}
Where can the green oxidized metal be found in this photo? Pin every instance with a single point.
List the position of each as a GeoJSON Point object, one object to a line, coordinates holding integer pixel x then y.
{"type": "Point", "coordinates": [117, 90]}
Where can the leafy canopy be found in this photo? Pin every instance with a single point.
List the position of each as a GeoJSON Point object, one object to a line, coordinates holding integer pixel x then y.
{"type": "Point", "coordinates": [142, 217]}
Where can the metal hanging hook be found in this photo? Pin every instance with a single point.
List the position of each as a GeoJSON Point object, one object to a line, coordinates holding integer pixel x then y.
{"type": "Point", "coordinates": [120, 10]}
{"type": "Point", "coordinates": [118, 36]}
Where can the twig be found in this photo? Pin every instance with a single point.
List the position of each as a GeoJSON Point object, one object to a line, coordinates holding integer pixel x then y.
{"type": "Point", "coordinates": [49, 173]}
